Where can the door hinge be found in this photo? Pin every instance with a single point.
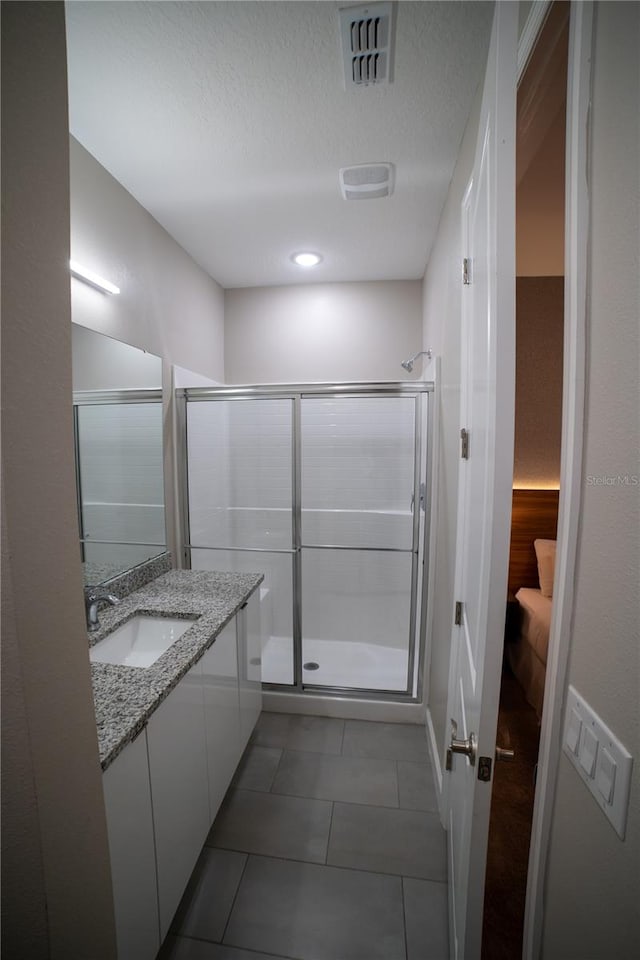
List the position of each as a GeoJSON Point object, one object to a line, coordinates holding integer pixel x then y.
{"type": "Point", "coordinates": [484, 769]}
{"type": "Point", "coordinates": [466, 271]}
{"type": "Point", "coordinates": [464, 444]}
{"type": "Point", "coordinates": [458, 614]}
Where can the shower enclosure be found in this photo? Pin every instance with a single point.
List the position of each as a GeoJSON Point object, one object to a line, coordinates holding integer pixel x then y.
{"type": "Point", "coordinates": [323, 489]}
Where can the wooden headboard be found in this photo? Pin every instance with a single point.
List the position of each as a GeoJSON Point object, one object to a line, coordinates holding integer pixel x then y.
{"type": "Point", "coordinates": [534, 516]}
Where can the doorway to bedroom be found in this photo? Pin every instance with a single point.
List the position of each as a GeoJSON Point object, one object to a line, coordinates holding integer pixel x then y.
{"type": "Point", "coordinates": [540, 232]}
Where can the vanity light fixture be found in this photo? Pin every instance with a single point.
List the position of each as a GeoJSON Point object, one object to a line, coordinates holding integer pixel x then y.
{"type": "Point", "coordinates": [82, 273]}
{"type": "Point", "coordinates": [306, 259]}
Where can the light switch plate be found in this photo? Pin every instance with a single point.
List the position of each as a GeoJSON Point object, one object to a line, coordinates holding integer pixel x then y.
{"type": "Point", "coordinates": [603, 763]}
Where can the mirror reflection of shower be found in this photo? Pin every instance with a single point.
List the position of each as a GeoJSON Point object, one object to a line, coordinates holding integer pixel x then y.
{"type": "Point", "coordinates": [408, 364]}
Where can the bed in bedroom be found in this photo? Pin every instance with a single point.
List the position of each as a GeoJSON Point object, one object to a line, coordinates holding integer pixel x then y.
{"type": "Point", "coordinates": [531, 569]}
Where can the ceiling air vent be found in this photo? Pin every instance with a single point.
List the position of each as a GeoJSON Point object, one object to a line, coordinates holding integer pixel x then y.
{"type": "Point", "coordinates": [367, 44]}
{"type": "Point", "coordinates": [367, 181]}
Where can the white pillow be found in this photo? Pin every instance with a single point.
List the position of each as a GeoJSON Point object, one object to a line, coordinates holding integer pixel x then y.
{"type": "Point", "coordinates": [546, 557]}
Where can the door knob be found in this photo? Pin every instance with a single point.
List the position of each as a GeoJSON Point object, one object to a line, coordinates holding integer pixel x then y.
{"type": "Point", "coordinates": [502, 753]}
{"type": "Point", "coordinates": [467, 747]}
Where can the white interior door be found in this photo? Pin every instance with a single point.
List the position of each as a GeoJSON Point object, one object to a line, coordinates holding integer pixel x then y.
{"type": "Point", "coordinates": [485, 481]}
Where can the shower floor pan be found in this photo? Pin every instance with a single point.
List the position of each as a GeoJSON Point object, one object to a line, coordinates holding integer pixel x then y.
{"type": "Point", "coordinates": [340, 663]}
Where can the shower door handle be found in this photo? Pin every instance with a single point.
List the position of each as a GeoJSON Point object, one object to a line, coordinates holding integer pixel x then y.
{"type": "Point", "coordinates": [422, 495]}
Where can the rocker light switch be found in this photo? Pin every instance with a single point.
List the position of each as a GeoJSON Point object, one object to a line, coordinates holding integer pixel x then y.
{"type": "Point", "coordinates": [601, 761]}
{"type": "Point", "coordinates": [588, 751]}
{"type": "Point", "coordinates": [605, 774]}
{"type": "Point", "coordinates": [574, 727]}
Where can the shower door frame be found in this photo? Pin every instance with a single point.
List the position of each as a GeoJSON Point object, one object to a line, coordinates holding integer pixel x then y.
{"type": "Point", "coordinates": [423, 450]}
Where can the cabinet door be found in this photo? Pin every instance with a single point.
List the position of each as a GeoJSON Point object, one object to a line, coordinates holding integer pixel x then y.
{"type": "Point", "coordinates": [249, 665]}
{"type": "Point", "coordinates": [127, 796]}
{"type": "Point", "coordinates": [222, 713]}
{"type": "Point", "coordinates": [179, 788]}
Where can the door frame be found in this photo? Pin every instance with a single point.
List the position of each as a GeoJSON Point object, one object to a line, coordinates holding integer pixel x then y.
{"type": "Point", "coordinates": [573, 406]}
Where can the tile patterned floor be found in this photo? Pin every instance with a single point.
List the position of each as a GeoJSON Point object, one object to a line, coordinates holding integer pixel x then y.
{"type": "Point", "coordinates": [328, 846]}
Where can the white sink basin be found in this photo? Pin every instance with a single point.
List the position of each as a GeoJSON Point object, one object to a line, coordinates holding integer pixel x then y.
{"type": "Point", "coordinates": [140, 641]}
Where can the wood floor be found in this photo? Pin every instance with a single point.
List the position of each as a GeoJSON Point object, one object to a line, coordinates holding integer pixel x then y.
{"type": "Point", "coordinates": [510, 825]}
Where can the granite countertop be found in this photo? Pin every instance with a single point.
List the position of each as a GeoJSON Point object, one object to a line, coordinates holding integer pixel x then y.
{"type": "Point", "coordinates": [125, 697]}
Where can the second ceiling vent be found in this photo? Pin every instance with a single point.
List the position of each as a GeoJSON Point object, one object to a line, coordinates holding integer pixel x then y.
{"type": "Point", "coordinates": [367, 181]}
{"type": "Point", "coordinates": [367, 45]}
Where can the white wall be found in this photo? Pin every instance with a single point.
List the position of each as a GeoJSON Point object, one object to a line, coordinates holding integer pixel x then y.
{"type": "Point", "coordinates": [56, 887]}
{"type": "Point", "coordinates": [102, 363]}
{"type": "Point", "coordinates": [540, 208]}
{"type": "Point", "coordinates": [442, 307]}
{"type": "Point", "coordinates": [322, 332]}
{"type": "Point", "coordinates": [167, 304]}
{"type": "Point", "coordinates": [593, 878]}
{"type": "Point", "coordinates": [539, 350]}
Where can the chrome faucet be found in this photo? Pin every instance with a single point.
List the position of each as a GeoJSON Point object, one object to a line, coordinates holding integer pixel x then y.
{"type": "Point", "coordinates": [92, 597]}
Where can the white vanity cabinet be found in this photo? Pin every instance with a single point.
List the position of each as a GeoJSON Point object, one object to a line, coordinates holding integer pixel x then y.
{"type": "Point", "coordinates": [163, 791]}
{"type": "Point", "coordinates": [249, 665]}
{"type": "Point", "coordinates": [221, 713]}
{"type": "Point", "coordinates": [179, 788]}
{"type": "Point", "coordinates": [127, 795]}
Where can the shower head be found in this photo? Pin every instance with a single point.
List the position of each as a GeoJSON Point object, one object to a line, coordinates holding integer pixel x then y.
{"type": "Point", "coordinates": [408, 364]}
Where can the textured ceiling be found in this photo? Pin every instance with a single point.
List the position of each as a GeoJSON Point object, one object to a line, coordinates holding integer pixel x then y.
{"type": "Point", "coordinates": [229, 123]}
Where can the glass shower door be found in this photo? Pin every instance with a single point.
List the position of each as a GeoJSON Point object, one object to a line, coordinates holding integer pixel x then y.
{"type": "Point", "coordinates": [358, 541]}
{"type": "Point", "coordinates": [240, 496]}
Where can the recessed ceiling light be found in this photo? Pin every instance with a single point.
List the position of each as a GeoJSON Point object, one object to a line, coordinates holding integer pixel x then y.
{"type": "Point", "coordinates": [306, 259]}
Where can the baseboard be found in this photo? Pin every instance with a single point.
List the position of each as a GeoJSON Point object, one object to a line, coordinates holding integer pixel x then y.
{"type": "Point", "coordinates": [345, 708]}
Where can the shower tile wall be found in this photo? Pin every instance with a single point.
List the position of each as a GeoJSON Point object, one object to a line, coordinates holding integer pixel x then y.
{"type": "Point", "coordinates": [357, 476]}
{"type": "Point", "coordinates": [357, 483]}
{"type": "Point", "coordinates": [122, 477]}
{"type": "Point", "coordinates": [357, 472]}
{"type": "Point", "coordinates": [357, 455]}
{"type": "Point", "coordinates": [240, 473]}
{"type": "Point", "coordinates": [354, 596]}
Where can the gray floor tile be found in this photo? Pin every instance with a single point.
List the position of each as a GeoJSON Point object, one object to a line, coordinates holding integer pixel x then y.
{"type": "Point", "coordinates": [257, 768]}
{"type": "Point", "coordinates": [407, 842]}
{"type": "Point", "coordinates": [417, 786]}
{"type": "Point", "coordinates": [205, 906]}
{"type": "Point", "coordinates": [273, 825]}
{"type": "Point", "coordinates": [395, 741]}
{"type": "Point", "coordinates": [315, 734]}
{"type": "Point", "coordinates": [317, 913]}
{"type": "Point", "coordinates": [299, 732]}
{"type": "Point", "coordinates": [181, 948]}
{"type": "Point", "coordinates": [271, 730]}
{"type": "Point", "coordinates": [326, 777]}
{"type": "Point", "coordinates": [426, 919]}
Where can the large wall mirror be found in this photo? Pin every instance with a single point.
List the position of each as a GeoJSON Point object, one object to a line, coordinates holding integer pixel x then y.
{"type": "Point", "coordinates": [117, 405]}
